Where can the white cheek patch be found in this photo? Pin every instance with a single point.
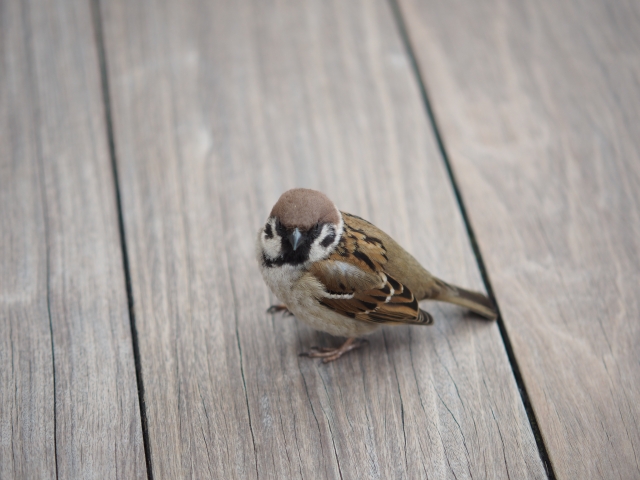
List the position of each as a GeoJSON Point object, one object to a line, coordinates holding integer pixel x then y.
{"type": "Point", "coordinates": [317, 251]}
{"type": "Point", "coordinates": [271, 247]}
{"type": "Point", "coordinates": [339, 230]}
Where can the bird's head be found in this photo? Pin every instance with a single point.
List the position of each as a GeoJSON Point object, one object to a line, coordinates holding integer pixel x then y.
{"type": "Point", "coordinates": [304, 226]}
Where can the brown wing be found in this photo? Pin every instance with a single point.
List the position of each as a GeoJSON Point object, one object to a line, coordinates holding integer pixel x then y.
{"type": "Point", "coordinates": [392, 302]}
{"type": "Point", "coordinates": [357, 286]}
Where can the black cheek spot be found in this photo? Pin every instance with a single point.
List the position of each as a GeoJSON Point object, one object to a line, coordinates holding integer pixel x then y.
{"type": "Point", "coordinates": [268, 232]}
{"type": "Point", "coordinates": [328, 240]}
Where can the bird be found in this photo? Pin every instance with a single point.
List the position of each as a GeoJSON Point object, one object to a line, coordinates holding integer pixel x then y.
{"type": "Point", "coordinates": [340, 274]}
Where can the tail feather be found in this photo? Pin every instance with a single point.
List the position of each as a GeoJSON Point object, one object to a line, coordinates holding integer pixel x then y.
{"type": "Point", "coordinates": [474, 301]}
{"type": "Point", "coordinates": [424, 318]}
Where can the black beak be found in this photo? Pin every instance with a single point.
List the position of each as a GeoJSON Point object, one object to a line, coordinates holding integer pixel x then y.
{"type": "Point", "coordinates": [295, 239]}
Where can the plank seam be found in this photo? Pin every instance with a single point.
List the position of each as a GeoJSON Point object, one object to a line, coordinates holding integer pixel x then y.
{"type": "Point", "coordinates": [48, 273]}
{"type": "Point", "coordinates": [331, 435]}
{"type": "Point", "coordinates": [45, 214]}
{"type": "Point", "coordinates": [406, 41]}
{"type": "Point", "coordinates": [241, 363]}
{"type": "Point", "coordinates": [106, 99]}
{"type": "Point", "coordinates": [313, 411]}
{"type": "Point", "coordinates": [402, 416]}
{"type": "Point", "coordinates": [244, 381]}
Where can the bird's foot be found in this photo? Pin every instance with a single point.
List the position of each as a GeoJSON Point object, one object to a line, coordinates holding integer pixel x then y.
{"type": "Point", "coordinates": [279, 308]}
{"type": "Point", "coordinates": [330, 354]}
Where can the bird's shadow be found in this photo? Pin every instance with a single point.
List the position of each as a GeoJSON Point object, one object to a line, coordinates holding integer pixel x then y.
{"type": "Point", "coordinates": [395, 339]}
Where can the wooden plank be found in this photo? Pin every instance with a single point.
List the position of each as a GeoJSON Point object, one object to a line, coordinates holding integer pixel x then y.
{"type": "Point", "coordinates": [63, 302]}
{"type": "Point", "coordinates": [539, 103]}
{"type": "Point", "coordinates": [218, 108]}
{"type": "Point", "coordinates": [26, 375]}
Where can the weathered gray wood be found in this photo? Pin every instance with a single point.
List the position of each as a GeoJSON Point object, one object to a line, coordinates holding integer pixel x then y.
{"type": "Point", "coordinates": [539, 106]}
{"type": "Point", "coordinates": [63, 304]}
{"type": "Point", "coordinates": [26, 375]}
{"type": "Point", "coordinates": [218, 108]}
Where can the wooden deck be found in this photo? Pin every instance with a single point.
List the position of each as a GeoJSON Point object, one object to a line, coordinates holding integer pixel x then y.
{"type": "Point", "coordinates": [143, 143]}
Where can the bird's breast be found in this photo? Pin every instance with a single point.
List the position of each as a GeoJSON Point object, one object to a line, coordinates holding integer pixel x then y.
{"type": "Point", "coordinates": [300, 291]}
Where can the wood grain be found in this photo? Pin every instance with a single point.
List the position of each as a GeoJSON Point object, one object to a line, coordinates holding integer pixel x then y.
{"type": "Point", "coordinates": [539, 103]}
{"type": "Point", "coordinates": [218, 108]}
{"type": "Point", "coordinates": [63, 303]}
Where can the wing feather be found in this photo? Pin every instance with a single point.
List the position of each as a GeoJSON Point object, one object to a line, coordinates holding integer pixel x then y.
{"type": "Point", "coordinates": [379, 305]}
{"type": "Point", "coordinates": [356, 285]}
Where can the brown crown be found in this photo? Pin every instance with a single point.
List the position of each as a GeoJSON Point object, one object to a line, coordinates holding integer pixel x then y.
{"type": "Point", "coordinates": [303, 208]}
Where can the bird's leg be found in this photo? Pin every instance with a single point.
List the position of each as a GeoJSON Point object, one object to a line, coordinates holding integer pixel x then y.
{"type": "Point", "coordinates": [330, 354]}
{"type": "Point", "coordinates": [279, 308]}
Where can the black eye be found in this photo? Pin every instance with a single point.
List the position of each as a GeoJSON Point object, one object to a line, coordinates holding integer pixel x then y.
{"type": "Point", "coordinates": [268, 233]}
{"type": "Point", "coordinates": [329, 239]}
{"type": "Point", "coordinates": [280, 229]}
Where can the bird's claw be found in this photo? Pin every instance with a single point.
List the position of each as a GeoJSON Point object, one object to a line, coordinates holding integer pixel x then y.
{"type": "Point", "coordinates": [329, 354]}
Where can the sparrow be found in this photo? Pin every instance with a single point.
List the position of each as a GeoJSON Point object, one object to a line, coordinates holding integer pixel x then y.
{"type": "Point", "coordinates": [342, 275]}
